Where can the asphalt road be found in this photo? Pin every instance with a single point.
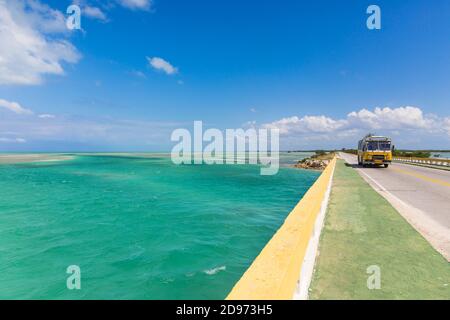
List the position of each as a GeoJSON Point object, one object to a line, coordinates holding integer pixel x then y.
{"type": "Point", "coordinates": [420, 194]}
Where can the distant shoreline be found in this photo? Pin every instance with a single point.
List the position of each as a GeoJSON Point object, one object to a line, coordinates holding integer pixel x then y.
{"type": "Point", "coordinates": [32, 157]}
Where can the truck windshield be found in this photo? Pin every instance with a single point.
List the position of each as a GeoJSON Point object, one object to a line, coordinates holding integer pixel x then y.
{"type": "Point", "coordinates": [378, 145]}
{"type": "Point", "coordinates": [385, 146]}
{"type": "Point", "coordinates": [372, 145]}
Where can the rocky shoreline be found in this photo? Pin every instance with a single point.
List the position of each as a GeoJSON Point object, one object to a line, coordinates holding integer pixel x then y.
{"type": "Point", "coordinates": [316, 162]}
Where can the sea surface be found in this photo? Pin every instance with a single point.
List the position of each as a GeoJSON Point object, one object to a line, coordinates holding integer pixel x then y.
{"type": "Point", "coordinates": [137, 227]}
{"type": "Point", "coordinates": [442, 155]}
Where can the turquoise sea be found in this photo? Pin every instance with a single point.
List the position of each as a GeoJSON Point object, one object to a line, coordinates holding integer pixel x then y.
{"type": "Point", "coordinates": [138, 227]}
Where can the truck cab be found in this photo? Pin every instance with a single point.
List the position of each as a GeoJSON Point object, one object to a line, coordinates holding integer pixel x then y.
{"type": "Point", "coordinates": [375, 150]}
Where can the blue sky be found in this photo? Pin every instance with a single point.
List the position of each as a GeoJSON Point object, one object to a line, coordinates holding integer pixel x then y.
{"type": "Point", "coordinates": [301, 66]}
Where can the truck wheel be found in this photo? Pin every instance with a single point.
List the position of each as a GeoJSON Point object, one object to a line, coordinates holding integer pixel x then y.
{"type": "Point", "coordinates": [386, 165]}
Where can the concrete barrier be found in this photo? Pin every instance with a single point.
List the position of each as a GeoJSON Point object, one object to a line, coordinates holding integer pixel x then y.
{"type": "Point", "coordinates": [283, 269]}
{"type": "Point", "coordinates": [427, 161]}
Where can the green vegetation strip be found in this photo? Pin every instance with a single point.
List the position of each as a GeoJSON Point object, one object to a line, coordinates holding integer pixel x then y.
{"type": "Point", "coordinates": [362, 229]}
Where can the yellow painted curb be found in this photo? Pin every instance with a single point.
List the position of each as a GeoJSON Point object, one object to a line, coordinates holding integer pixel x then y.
{"type": "Point", "coordinates": [276, 270]}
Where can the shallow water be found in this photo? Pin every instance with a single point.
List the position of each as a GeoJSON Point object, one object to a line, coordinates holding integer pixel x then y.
{"type": "Point", "coordinates": [442, 155]}
{"type": "Point", "coordinates": [138, 228]}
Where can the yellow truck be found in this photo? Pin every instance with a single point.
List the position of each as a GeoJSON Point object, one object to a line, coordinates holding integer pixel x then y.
{"type": "Point", "coordinates": [375, 150]}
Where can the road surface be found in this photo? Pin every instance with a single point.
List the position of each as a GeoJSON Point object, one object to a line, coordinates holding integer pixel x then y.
{"type": "Point", "coordinates": [420, 194]}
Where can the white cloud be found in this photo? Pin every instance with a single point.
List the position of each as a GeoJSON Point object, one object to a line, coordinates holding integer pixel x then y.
{"type": "Point", "coordinates": [406, 123]}
{"type": "Point", "coordinates": [381, 118]}
{"type": "Point", "coordinates": [446, 125]}
{"type": "Point", "coordinates": [306, 124]}
{"type": "Point", "coordinates": [90, 11]}
{"type": "Point", "coordinates": [137, 73]}
{"type": "Point", "coordinates": [14, 107]}
{"type": "Point", "coordinates": [103, 132]}
{"type": "Point", "coordinates": [136, 4]}
{"type": "Point", "coordinates": [94, 13]}
{"type": "Point", "coordinates": [388, 118]}
{"type": "Point", "coordinates": [12, 140]}
{"type": "Point", "coordinates": [162, 65]}
{"type": "Point", "coordinates": [47, 116]}
{"type": "Point", "coordinates": [39, 15]}
{"type": "Point", "coordinates": [33, 42]}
